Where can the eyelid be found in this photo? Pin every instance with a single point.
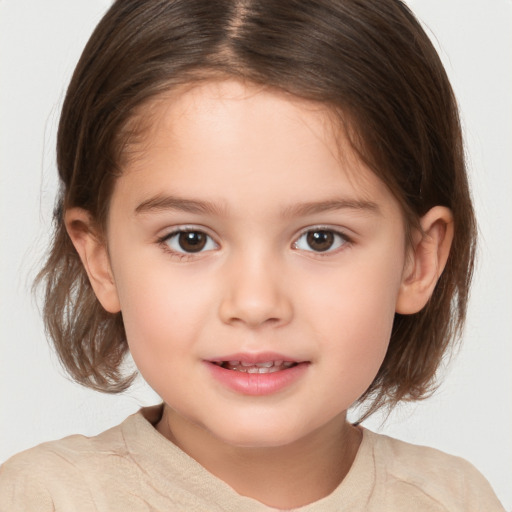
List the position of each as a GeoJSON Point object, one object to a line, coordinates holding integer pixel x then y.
{"type": "Point", "coordinates": [172, 230]}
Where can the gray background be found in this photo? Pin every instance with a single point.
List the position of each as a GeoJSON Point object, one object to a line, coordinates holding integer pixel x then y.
{"type": "Point", "coordinates": [471, 414]}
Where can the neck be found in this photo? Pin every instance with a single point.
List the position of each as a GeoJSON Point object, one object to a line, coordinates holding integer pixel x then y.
{"type": "Point", "coordinates": [282, 477]}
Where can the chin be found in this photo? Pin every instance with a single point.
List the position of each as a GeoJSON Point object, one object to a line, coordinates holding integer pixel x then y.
{"type": "Point", "coordinates": [260, 434]}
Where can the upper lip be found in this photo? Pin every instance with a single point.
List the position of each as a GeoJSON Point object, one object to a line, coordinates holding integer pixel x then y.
{"type": "Point", "coordinates": [254, 358]}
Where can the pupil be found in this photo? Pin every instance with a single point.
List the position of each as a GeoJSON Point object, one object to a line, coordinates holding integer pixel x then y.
{"type": "Point", "coordinates": [320, 240]}
{"type": "Point", "coordinates": [192, 241]}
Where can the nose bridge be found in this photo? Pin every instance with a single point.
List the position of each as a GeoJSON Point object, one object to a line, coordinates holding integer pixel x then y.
{"type": "Point", "coordinates": [255, 291]}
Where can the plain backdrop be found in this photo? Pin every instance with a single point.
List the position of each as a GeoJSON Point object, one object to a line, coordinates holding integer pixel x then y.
{"type": "Point", "coordinates": [470, 415]}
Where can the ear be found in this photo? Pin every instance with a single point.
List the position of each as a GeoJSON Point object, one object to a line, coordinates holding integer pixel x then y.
{"type": "Point", "coordinates": [94, 255]}
{"type": "Point", "coordinates": [426, 260]}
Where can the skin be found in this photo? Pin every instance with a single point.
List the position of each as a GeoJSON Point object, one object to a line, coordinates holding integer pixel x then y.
{"type": "Point", "coordinates": [256, 157]}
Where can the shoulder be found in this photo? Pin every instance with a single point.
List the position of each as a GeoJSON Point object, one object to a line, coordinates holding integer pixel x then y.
{"type": "Point", "coordinates": [36, 478]}
{"type": "Point", "coordinates": [20, 487]}
{"type": "Point", "coordinates": [67, 453]}
{"type": "Point", "coordinates": [445, 481]}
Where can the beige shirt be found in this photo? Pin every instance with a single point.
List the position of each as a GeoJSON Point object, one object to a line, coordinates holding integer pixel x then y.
{"type": "Point", "coordinates": [132, 468]}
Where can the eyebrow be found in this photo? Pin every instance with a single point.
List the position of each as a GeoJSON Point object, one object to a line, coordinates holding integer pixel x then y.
{"type": "Point", "coordinates": [310, 208]}
{"type": "Point", "coordinates": [164, 203]}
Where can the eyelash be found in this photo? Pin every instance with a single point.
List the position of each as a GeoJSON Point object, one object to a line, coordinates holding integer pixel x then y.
{"type": "Point", "coordinates": [340, 239]}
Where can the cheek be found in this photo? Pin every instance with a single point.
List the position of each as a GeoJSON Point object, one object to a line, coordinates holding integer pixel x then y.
{"type": "Point", "coordinates": [356, 321]}
{"type": "Point", "coordinates": [160, 315]}
{"type": "Point", "coordinates": [360, 346]}
{"type": "Point", "coordinates": [354, 358]}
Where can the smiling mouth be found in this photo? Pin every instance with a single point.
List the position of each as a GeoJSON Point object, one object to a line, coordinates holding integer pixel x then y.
{"type": "Point", "coordinates": [263, 367]}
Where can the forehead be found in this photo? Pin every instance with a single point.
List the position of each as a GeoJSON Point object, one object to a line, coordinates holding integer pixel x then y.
{"type": "Point", "coordinates": [220, 107]}
{"type": "Point", "coordinates": [246, 136]}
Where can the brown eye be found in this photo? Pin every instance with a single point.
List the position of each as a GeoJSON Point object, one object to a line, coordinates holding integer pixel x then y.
{"type": "Point", "coordinates": [192, 241]}
{"type": "Point", "coordinates": [189, 242]}
{"type": "Point", "coordinates": [320, 240]}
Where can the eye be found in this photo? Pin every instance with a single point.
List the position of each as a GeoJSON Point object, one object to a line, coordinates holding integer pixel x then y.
{"type": "Point", "coordinates": [320, 240]}
{"type": "Point", "coordinates": [189, 241]}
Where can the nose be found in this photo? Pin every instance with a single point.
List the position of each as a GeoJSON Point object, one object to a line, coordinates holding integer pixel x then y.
{"type": "Point", "coordinates": [256, 293]}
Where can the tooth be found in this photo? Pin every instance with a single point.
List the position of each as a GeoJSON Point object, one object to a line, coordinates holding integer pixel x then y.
{"type": "Point", "coordinates": [266, 364]}
{"type": "Point", "coordinates": [287, 364]}
{"type": "Point", "coordinates": [279, 362]}
{"type": "Point", "coordinates": [234, 363]}
{"type": "Point", "coordinates": [253, 369]}
{"type": "Point", "coordinates": [244, 363]}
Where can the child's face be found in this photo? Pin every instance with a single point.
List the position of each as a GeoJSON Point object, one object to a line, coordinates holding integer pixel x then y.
{"type": "Point", "coordinates": [292, 254]}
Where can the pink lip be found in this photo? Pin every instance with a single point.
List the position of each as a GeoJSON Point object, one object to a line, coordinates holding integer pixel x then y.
{"type": "Point", "coordinates": [256, 384]}
{"type": "Point", "coordinates": [259, 357]}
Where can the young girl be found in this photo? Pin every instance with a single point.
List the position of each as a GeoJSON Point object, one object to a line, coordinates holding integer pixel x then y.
{"type": "Point", "coordinates": [266, 203]}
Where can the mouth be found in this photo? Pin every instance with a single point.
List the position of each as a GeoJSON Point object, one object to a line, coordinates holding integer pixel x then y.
{"type": "Point", "coordinates": [271, 366]}
{"type": "Point", "coordinates": [257, 374]}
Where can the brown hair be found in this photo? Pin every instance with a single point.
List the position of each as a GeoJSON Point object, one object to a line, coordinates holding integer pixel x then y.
{"type": "Point", "coordinates": [369, 61]}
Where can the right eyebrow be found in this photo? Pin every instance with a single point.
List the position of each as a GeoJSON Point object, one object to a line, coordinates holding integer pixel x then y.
{"type": "Point", "coordinates": [162, 203]}
{"type": "Point", "coordinates": [310, 208]}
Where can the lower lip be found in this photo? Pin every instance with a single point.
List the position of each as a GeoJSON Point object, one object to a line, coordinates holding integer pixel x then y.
{"type": "Point", "coordinates": [257, 384]}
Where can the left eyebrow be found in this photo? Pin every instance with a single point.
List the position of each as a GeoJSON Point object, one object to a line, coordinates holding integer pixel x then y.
{"type": "Point", "coordinates": [310, 208]}
{"type": "Point", "coordinates": [163, 203]}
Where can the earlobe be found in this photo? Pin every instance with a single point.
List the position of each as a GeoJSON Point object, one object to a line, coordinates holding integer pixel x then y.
{"type": "Point", "coordinates": [94, 256]}
{"type": "Point", "coordinates": [427, 259]}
